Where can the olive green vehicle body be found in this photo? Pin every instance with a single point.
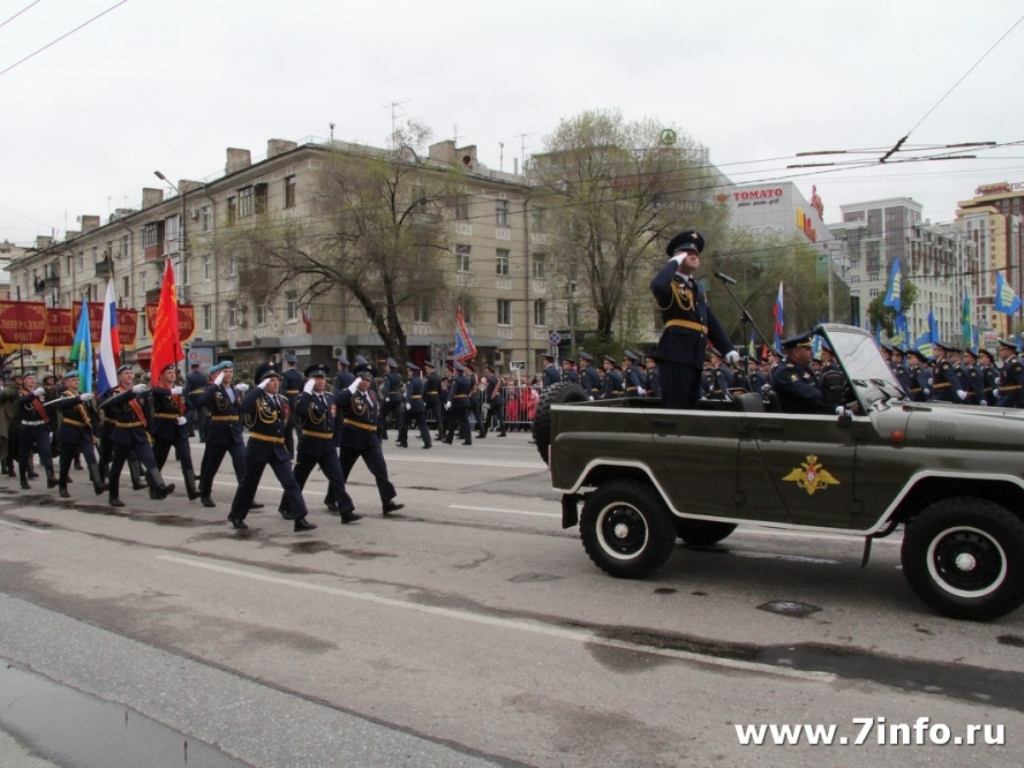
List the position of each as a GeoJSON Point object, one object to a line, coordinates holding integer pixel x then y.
{"type": "Point", "coordinates": [738, 462]}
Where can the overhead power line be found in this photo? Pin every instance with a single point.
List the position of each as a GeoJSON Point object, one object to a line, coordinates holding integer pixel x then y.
{"type": "Point", "coordinates": [36, 2]}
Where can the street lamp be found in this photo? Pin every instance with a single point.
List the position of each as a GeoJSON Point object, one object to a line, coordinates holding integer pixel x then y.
{"type": "Point", "coordinates": [184, 212]}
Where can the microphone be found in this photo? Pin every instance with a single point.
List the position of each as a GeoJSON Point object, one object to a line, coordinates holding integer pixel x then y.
{"type": "Point", "coordinates": [725, 278]}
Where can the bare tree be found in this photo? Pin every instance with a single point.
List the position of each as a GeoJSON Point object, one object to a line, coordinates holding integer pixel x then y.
{"type": "Point", "coordinates": [377, 232]}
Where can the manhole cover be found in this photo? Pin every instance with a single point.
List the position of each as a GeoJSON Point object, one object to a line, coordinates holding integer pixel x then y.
{"type": "Point", "coordinates": [789, 608]}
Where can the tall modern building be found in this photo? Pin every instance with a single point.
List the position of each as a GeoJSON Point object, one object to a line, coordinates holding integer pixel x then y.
{"type": "Point", "coordinates": [937, 258]}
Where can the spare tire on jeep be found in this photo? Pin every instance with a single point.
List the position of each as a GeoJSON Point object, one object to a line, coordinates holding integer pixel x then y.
{"type": "Point", "coordinates": [556, 394]}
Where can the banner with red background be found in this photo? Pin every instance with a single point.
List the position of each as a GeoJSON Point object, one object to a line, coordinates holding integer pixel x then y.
{"type": "Point", "coordinates": [186, 321]}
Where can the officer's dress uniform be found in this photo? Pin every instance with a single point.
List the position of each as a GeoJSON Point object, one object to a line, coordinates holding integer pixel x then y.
{"type": "Point", "coordinates": [496, 402]}
{"type": "Point", "coordinates": [1011, 383]}
{"type": "Point", "coordinates": [551, 375]}
{"type": "Point", "coordinates": [196, 383]}
{"type": "Point", "coordinates": [341, 381]}
{"type": "Point", "coordinates": [415, 410]}
{"type": "Point", "coordinates": [223, 436]}
{"type": "Point", "coordinates": [975, 384]}
{"type": "Point", "coordinates": [631, 383]}
{"type": "Point", "coordinates": [432, 399]}
{"type": "Point", "coordinates": [34, 432]}
{"type": "Point", "coordinates": [689, 324]}
{"type": "Point", "coordinates": [918, 388]}
{"type": "Point", "coordinates": [317, 413]}
{"type": "Point", "coordinates": [946, 382]}
{"type": "Point", "coordinates": [359, 414]}
{"type": "Point", "coordinates": [989, 376]}
{"type": "Point", "coordinates": [391, 400]}
{"type": "Point", "coordinates": [612, 387]}
{"type": "Point", "coordinates": [796, 386]}
{"type": "Point", "coordinates": [570, 376]}
{"type": "Point", "coordinates": [125, 409]}
{"type": "Point", "coordinates": [291, 386]}
{"type": "Point", "coordinates": [717, 383]}
{"type": "Point", "coordinates": [459, 390]}
{"type": "Point", "coordinates": [169, 428]}
{"type": "Point", "coordinates": [590, 380]}
{"type": "Point", "coordinates": [266, 448]}
{"type": "Point", "coordinates": [77, 435]}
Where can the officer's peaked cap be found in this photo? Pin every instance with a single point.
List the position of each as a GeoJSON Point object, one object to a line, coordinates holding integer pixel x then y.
{"type": "Point", "coordinates": [318, 369]}
{"type": "Point", "coordinates": [690, 240]}
{"type": "Point", "coordinates": [803, 340]}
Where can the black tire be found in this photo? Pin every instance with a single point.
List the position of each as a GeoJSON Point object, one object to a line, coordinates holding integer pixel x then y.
{"type": "Point", "coordinates": [627, 530]}
{"type": "Point", "coordinates": [964, 557]}
{"type": "Point", "coordinates": [703, 532]}
{"type": "Point", "coordinates": [556, 394]}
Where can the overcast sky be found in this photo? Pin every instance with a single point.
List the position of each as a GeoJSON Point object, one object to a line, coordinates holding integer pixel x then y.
{"type": "Point", "coordinates": [169, 84]}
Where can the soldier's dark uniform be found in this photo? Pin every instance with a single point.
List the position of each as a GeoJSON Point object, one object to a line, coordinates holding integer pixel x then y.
{"type": "Point", "coordinates": [34, 432]}
{"type": "Point", "coordinates": [342, 379]}
{"type": "Point", "coordinates": [569, 374]}
{"type": "Point", "coordinates": [716, 383]}
{"type": "Point", "coordinates": [458, 406]}
{"type": "Point", "coordinates": [77, 435]}
{"type": "Point", "coordinates": [391, 398]}
{"type": "Point", "coordinates": [1010, 385]}
{"type": "Point", "coordinates": [317, 413]}
{"type": "Point", "coordinates": [195, 384]}
{"type": "Point", "coordinates": [918, 388]}
{"type": "Point", "coordinates": [946, 383]}
{"type": "Point", "coordinates": [291, 386]}
{"type": "Point", "coordinates": [475, 395]}
{"type": "Point", "coordinates": [432, 397]}
{"type": "Point", "coordinates": [653, 380]}
{"type": "Point", "coordinates": [495, 401]}
{"type": "Point", "coordinates": [266, 447]}
{"type": "Point", "coordinates": [631, 380]}
{"type": "Point", "coordinates": [125, 409]}
{"type": "Point", "coordinates": [611, 387]}
{"type": "Point", "coordinates": [689, 324]}
{"type": "Point", "coordinates": [590, 380]}
{"type": "Point", "coordinates": [169, 428]}
{"type": "Point", "coordinates": [415, 408]}
{"type": "Point", "coordinates": [359, 413]}
{"type": "Point", "coordinates": [551, 375]}
{"type": "Point", "coordinates": [989, 375]}
{"type": "Point", "coordinates": [223, 432]}
{"type": "Point", "coordinates": [974, 377]}
{"type": "Point", "coordinates": [795, 384]}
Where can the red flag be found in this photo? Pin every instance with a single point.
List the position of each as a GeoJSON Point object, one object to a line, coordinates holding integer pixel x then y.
{"type": "Point", "coordinates": [166, 339]}
{"type": "Point", "coordinates": [306, 321]}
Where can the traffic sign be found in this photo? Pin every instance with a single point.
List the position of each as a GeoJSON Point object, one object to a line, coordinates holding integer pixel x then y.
{"type": "Point", "coordinates": [555, 338]}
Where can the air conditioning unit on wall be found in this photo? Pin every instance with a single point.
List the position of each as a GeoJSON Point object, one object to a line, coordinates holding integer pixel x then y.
{"type": "Point", "coordinates": [337, 351]}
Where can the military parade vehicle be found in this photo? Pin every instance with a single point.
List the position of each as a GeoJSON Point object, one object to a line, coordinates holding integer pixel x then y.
{"type": "Point", "coordinates": [951, 477]}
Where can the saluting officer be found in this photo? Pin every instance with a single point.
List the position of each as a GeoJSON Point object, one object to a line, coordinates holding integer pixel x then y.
{"type": "Point", "coordinates": [432, 397]}
{"type": "Point", "coordinates": [794, 381]}
{"type": "Point", "coordinates": [551, 375]}
{"type": "Point", "coordinates": [590, 380]}
{"type": "Point", "coordinates": [1010, 391]}
{"type": "Point", "coordinates": [459, 390]}
{"type": "Point", "coordinates": [415, 408]}
{"type": "Point", "coordinates": [77, 433]}
{"type": "Point", "coordinates": [34, 430]}
{"type": "Point", "coordinates": [689, 323]}
{"type": "Point", "coordinates": [266, 446]}
{"type": "Point", "coordinates": [171, 412]}
{"type": "Point", "coordinates": [357, 406]}
{"type": "Point", "coordinates": [391, 398]}
{"type": "Point", "coordinates": [223, 399]}
{"type": "Point", "coordinates": [124, 406]}
{"type": "Point", "coordinates": [316, 411]}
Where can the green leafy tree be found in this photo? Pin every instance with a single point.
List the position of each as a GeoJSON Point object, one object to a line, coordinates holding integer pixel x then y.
{"type": "Point", "coordinates": [881, 315]}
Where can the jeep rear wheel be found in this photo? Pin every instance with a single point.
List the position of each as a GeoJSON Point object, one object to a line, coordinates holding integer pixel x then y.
{"type": "Point", "coordinates": [556, 394]}
{"type": "Point", "coordinates": [627, 530]}
{"type": "Point", "coordinates": [965, 558]}
{"type": "Point", "coordinates": [703, 533]}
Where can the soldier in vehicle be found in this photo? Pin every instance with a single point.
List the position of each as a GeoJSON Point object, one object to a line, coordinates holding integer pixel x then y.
{"type": "Point", "coordinates": [1010, 390]}
{"type": "Point", "coordinates": [653, 378]}
{"type": "Point", "coordinates": [612, 379]}
{"type": "Point", "coordinates": [552, 375]}
{"type": "Point", "coordinates": [918, 388]}
{"type": "Point", "coordinates": [590, 379]}
{"type": "Point", "coordinates": [989, 375]}
{"type": "Point", "coordinates": [631, 381]}
{"type": "Point", "coordinates": [794, 381]}
{"type": "Point", "coordinates": [569, 374]}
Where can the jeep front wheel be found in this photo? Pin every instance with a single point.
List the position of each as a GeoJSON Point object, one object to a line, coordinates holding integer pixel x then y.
{"type": "Point", "coordinates": [965, 558]}
{"type": "Point", "coordinates": [627, 530]}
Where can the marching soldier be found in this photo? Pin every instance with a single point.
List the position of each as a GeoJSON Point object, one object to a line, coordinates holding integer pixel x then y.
{"type": "Point", "coordinates": [169, 428]}
{"type": "Point", "coordinates": [495, 400]}
{"type": "Point", "coordinates": [266, 447]}
{"type": "Point", "coordinates": [316, 411]}
{"type": "Point", "coordinates": [223, 399]}
{"type": "Point", "coordinates": [612, 379]}
{"type": "Point", "coordinates": [195, 384]}
{"type": "Point", "coordinates": [653, 378]}
{"type": "Point", "coordinates": [552, 375]}
{"type": "Point", "coordinates": [77, 433]}
{"type": "Point", "coordinates": [432, 397]}
{"type": "Point", "coordinates": [631, 382]}
{"type": "Point", "coordinates": [569, 374]}
{"type": "Point", "coordinates": [358, 408]}
{"type": "Point", "coordinates": [474, 400]}
{"type": "Point", "coordinates": [291, 384]}
{"type": "Point", "coordinates": [794, 382]}
{"type": "Point", "coordinates": [590, 380]}
{"type": "Point", "coordinates": [458, 406]}
{"type": "Point", "coordinates": [415, 408]}
{"type": "Point", "coordinates": [973, 377]}
{"type": "Point", "coordinates": [947, 387]}
{"type": "Point", "coordinates": [34, 430]}
{"type": "Point", "coordinates": [918, 388]}
{"type": "Point", "coordinates": [988, 375]}
{"type": "Point", "coordinates": [1010, 391]}
{"type": "Point", "coordinates": [123, 405]}
{"type": "Point", "coordinates": [391, 398]}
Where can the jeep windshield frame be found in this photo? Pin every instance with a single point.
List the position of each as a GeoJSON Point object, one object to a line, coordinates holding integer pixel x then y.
{"type": "Point", "coordinates": [862, 362]}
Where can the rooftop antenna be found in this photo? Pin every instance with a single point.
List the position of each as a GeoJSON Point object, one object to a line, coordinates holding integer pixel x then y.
{"type": "Point", "coordinates": [394, 117]}
{"type": "Point", "coordinates": [455, 134]}
{"type": "Point", "coordinates": [332, 132]}
{"type": "Point", "coordinates": [501, 155]}
{"type": "Point", "coordinates": [522, 148]}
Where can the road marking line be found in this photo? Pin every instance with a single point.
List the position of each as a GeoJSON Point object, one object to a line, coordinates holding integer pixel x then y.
{"type": "Point", "coordinates": [577, 636]}
{"type": "Point", "coordinates": [508, 511]}
{"type": "Point", "coordinates": [28, 528]}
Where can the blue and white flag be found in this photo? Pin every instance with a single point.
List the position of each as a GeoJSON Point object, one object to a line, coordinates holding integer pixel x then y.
{"type": "Point", "coordinates": [1006, 301]}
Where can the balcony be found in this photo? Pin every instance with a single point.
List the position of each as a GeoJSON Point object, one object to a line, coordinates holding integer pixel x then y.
{"type": "Point", "coordinates": [51, 281]}
{"type": "Point", "coordinates": [105, 268]}
{"type": "Point", "coordinates": [153, 295]}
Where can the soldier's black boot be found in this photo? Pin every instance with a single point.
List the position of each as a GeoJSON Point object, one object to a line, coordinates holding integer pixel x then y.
{"type": "Point", "coordinates": [113, 499]}
{"type": "Point", "coordinates": [97, 479]}
{"type": "Point", "coordinates": [158, 488]}
{"type": "Point", "coordinates": [51, 478]}
{"type": "Point", "coordinates": [62, 485]}
{"type": "Point", "coordinates": [135, 471]}
{"type": "Point", "coordinates": [190, 484]}
{"type": "Point", "coordinates": [23, 474]}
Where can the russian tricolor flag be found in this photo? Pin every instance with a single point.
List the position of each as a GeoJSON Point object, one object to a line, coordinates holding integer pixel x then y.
{"type": "Point", "coordinates": [110, 343]}
{"type": "Point", "coordinates": [780, 322]}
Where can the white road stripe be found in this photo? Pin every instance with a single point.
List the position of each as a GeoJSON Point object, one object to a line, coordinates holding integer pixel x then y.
{"type": "Point", "coordinates": [505, 511]}
{"type": "Point", "coordinates": [577, 636]}
{"type": "Point", "coordinates": [28, 528]}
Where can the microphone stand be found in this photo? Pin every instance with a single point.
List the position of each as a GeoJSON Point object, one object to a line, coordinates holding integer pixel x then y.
{"type": "Point", "coordinates": [745, 318]}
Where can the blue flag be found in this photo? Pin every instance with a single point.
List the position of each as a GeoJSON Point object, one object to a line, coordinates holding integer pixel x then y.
{"type": "Point", "coordinates": [81, 350]}
{"type": "Point", "coordinates": [924, 344]}
{"type": "Point", "coordinates": [892, 297]}
{"type": "Point", "coordinates": [933, 328]}
{"type": "Point", "coordinates": [1006, 301]}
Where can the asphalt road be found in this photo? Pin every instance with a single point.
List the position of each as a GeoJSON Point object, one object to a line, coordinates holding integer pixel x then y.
{"type": "Point", "coordinates": [470, 629]}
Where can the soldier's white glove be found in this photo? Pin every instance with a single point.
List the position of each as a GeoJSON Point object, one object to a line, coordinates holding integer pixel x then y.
{"type": "Point", "coordinates": [176, 390]}
{"type": "Point", "coordinates": [308, 388]}
{"type": "Point", "coordinates": [732, 357]}
{"type": "Point", "coordinates": [408, 406]}
{"type": "Point", "coordinates": [243, 387]}
{"type": "Point", "coordinates": [181, 421]}
{"type": "Point", "coordinates": [983, 402]}
{"type": "Point", "coordinates": [448, 405]}
{"type": "Point", "coordinates": [263, 384]}
{"type": "Point", "coordinates": [354, 386]}
{"type": "Point", "coordinates": [927, 392]}
{"type": "Point", "coordinates": [996, 392]}
{"type": "Point", "coordinates": [931, 380]}
{"type": "Point", "coordinates": [138, 389]}
{"type": "Point", "coordinates": [591, 397]}
{"type": "Point", "coordinates": [641, 391]}
{"type": "Point", "coordinates": [38, 391]}
{"type": "Point", "coordinates": [962, 394]}
{"type": "Point", "coordinates": [841, 410]}
{"type": "Point", "coordinates": [85, 397]}
{"type": "Point", "coordinates": [220, 379]}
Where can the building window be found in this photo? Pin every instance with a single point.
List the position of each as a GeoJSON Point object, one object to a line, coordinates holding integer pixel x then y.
{"type": "Point", "coordinates": [462, 207]}
{"type": "Point", "coordinates": [185, 272]}
{"type": "Point", "coordinates": [539, 266]}
{"type": "Point", "coordinates": [125, 286]}
{"type": "Point", "coordinates": [207, 218]}
{"type": "Point", "coordinates": [291, 306]}
{"type": "Point", "coordinates": [504, 258]}
{"type": "Point", "coordinates": [246, 201]}
{"type": "Point", "coordinates": [152, 234]}
{"type": "Point", "coordinates": [540, 313]}
{"type": "Point", "coordinates": [854, 278]}
{"type": "Point", "coordinates": [462, 258]}
{"type": "Point", "coordinates": [538, 218]}
{"type": "Point", "coordinates": [232, 210]}
{"type": "Point", "coordinates": [143, 330]}
{"type": "Point", "coordinates": [207, 317]}
{"type": "Point", "coordinates": [421, 311]}
{"type": "Point", "coordinates": [261, 314]}
{"type": "Point", "coordinates": [289, 191]}
{"type": "Point", "coordinates": [232, 266]}
{"type": "Point", "coordinates": [501, 213]}
{"type": "Point", "coordinates": [873, 293]}
{"type": "Point", "coordinates": [207, 267]}
{"type": "Point", "coordinates": [504, 312]}
{"type": "Point", "coordinates": [234, 314]}
{"type": "Point", "coordinates": [142, 282]}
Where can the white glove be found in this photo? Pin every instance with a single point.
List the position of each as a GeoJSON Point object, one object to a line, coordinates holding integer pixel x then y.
{"type": "Point", "coordinates": [983, 402]}
{"type": "Point", "coordinates": [263, 384]}
{"type": "Point", "coordinates": [641, 391]}
{"type": "Point", "coordinates": [448, 405]}
{"type": "Point", "coordinates": [732, 357]}
{"type": "Point", "coordinates": [38, 391]}
{"type": "Point", "coordinates": [408, 406]}
{"type": "Point", "coordinates": [85, 397]}
{"type": "Point", "coordinates": [308, 388]}
{"type": "Point", "coordinates": [181, 421]}
{"type": "Point", "coordinates": [962, 394]}
{"type": "Point", "coordinates": [175, 390]}
{"type": "Point", "coordinates": [138, 389]}
{"type": "Point", "coordinates": [243, 387]}
{"type": "Point", "coordinates": [591, 397]}
{"type": "Point", "coordinates": [354, 386]}
{"type": "Point", "coordinates": [220, 379]}
{"type": "Point", "coordinates": [678, 258]}
{"type": "Point", "coordinates": [996, 392]}
{"type": "Point", "coordinates": [841, 410]}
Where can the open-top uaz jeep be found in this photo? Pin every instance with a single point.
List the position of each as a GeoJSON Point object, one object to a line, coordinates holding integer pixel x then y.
{"type": "Point", "coordinates": [953, 475]}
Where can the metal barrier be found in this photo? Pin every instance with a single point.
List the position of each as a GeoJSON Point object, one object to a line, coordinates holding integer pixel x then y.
{"type": "Point", "coordinates": [520, 408]}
